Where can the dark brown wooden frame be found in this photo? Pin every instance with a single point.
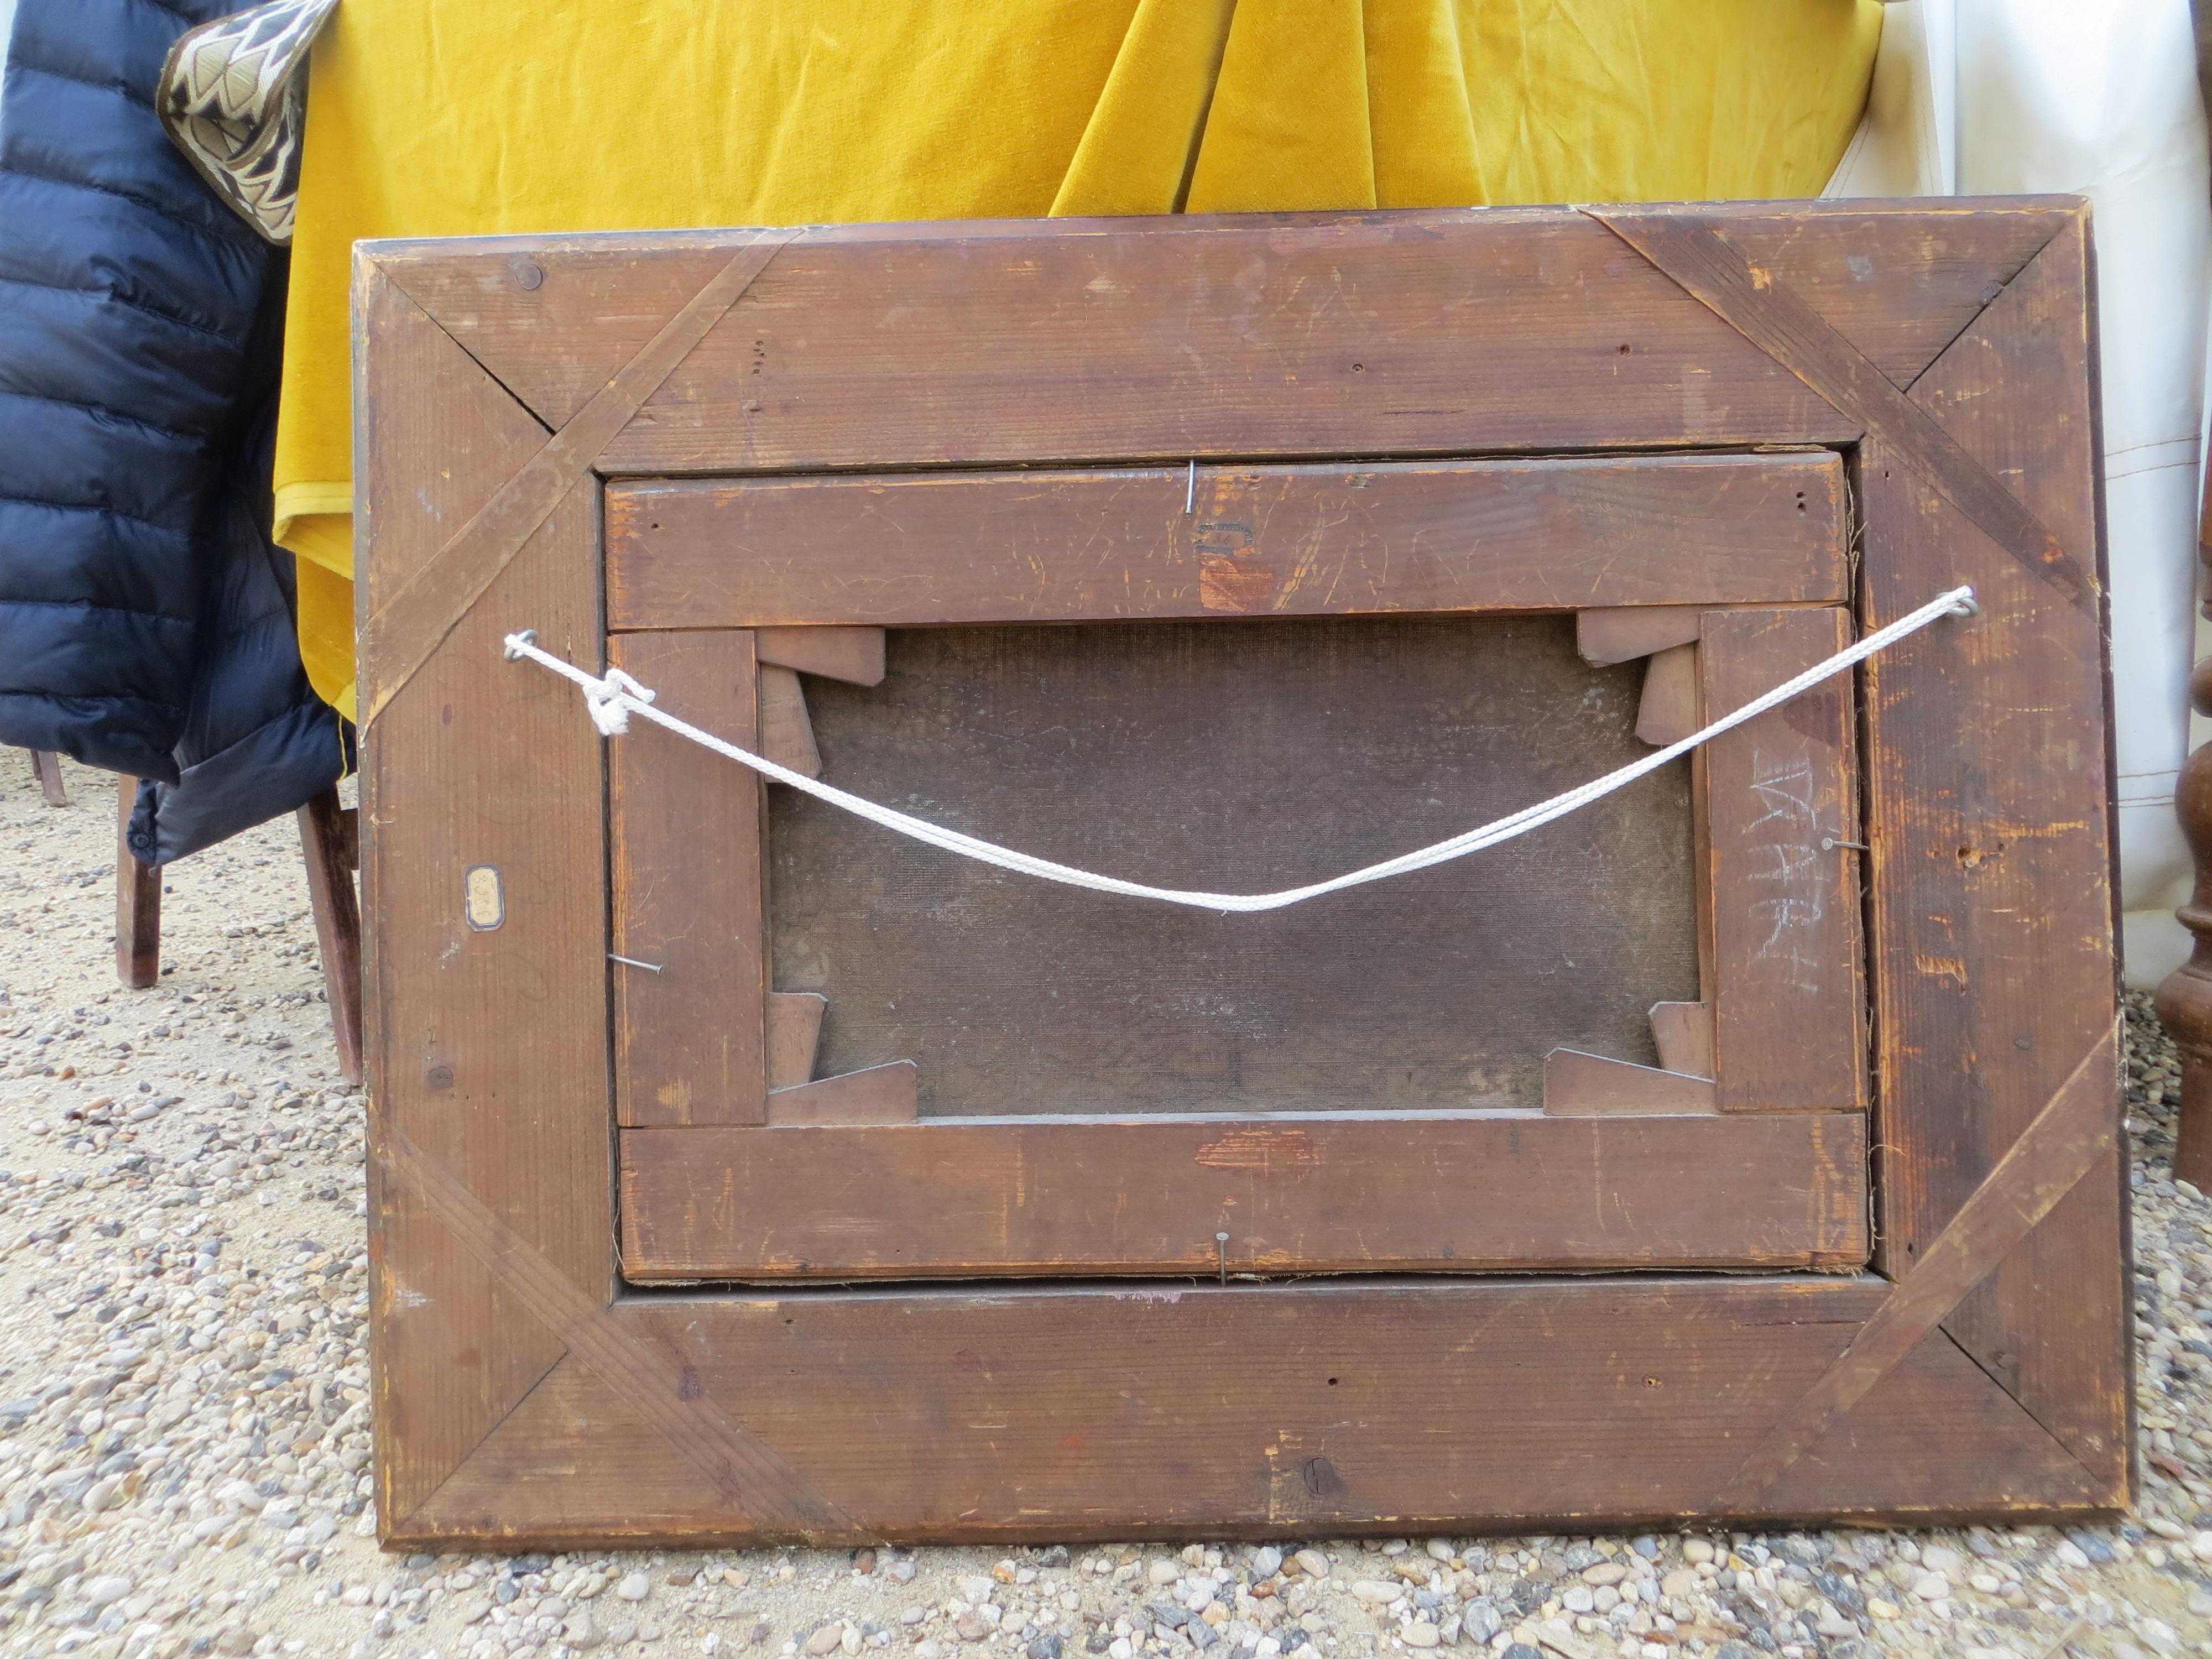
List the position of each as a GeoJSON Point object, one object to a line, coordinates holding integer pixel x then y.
{"type": "Point", "coordinates": [717, 588]}
{"type": "Point", "coordinates": [525, 1394]}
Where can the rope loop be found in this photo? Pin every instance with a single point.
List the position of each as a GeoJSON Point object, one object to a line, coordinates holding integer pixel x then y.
{"type": "Point", "coordinates": [612, 699]}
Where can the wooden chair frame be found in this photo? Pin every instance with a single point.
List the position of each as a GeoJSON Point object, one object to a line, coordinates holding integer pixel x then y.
{"type": "Point", "coordinates": [329, 847]}
{"type": "Point", "coordinates": [329, 843]}
{"type": "Point", "coordinates": [47, 767]}
{"type": "Point", "coordinates": [516, 399]}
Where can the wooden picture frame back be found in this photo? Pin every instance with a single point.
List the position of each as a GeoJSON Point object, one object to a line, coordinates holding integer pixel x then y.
{"type": "Point", "coordinates": [527, 1395]}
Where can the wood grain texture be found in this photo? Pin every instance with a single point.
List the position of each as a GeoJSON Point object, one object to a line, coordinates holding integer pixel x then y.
{"type": "Point", "coordinates": [1694, 249]}
{"type": "Point", "coordinates": [794, 1028]}
{"type": "Point", "coordinates": [413, 615]}
{"type": "Point", "coordinates": [1953, 256]}
{"type": "Point", "coordinates": [1991, 874]}
{"type": "Point", "coordinates": [137, 902]}
{"type": "Point", "coordinates": [1669, 708]}
{"type": "Point", "coordinates": [1683, 1034]}
{"type": "Point", "coordinates": [839, 653]}
{"type": "Point", "coordinates": [2069, 1137]}
{"type": "Point", "coordinates": [1591, 1086]}
{"type": "Point", "coordinates": [787, 735]}
{"type": "Point", "coordinates": [1061, 1413]}
{"type": "Point", "coordinates": [1096, 545]}
{"type": "Point", "coordinates": [524, 1399]}
{"type": "Point", "coordinates": [691, 1040]}
{"type": "Point", "coordinates": [1789, 1023]}
{"type": "Point", "coordinates": [882, 1094]}
{"type": "Point", "coordinates": [1363, 1194]}
{"type": "Point", "coordinates": [1515, 329]}
{"type": "Point", "coordinates": [1623, 633]}
{"type": "Point", "coordinates": [487, 1048]}
{"type": "Point", "coordinates": [741, 1468]}
{"type": "Point", "coordinates": [1233, 758]}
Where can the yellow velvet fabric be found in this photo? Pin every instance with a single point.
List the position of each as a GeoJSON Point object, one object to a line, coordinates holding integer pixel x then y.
{"type": "Point", "coordinates": [443, 117]}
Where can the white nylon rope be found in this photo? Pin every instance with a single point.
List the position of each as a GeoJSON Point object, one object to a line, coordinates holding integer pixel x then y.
{"type": "Point", "coordinates": [613, 700]}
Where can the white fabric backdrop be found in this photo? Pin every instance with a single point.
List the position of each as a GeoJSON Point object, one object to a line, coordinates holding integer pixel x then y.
{"type": "Point", "coordinates": [2098, 98]}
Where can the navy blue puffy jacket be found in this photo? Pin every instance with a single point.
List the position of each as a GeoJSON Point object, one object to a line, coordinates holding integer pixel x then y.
{"type": "Point", "coordinates": [145, 617]}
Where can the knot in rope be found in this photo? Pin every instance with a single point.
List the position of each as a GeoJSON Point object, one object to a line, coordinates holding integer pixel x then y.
{"type": "Point", "coordinates": [608, 701]}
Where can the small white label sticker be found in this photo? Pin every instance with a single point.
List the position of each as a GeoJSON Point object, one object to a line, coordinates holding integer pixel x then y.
{"type": "Point", "coordinates": [482, 901]}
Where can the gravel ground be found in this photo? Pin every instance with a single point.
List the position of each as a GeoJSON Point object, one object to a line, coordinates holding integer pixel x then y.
{"type": "Point", "coordinates": [184, 1430]}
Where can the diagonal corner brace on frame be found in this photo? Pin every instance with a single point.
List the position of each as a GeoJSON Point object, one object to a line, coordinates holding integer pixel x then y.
{"type": "Point", "coordinates": [403, 633]}
{"type": "Point", "coordinates": [1691, 251]}
{"type": "Point", "coordinates": [743, 1467]}
{"type": "Point", "coordinates": [2060, 1146]}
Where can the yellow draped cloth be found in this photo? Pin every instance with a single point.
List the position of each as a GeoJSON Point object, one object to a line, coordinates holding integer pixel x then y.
{"type": "Point", "coordinates": [449, 117]}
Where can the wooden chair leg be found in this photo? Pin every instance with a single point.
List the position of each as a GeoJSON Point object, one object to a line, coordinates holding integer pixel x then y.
{"type": "Point", "coordinates": [137, 903]}
{"type": "Point", "coordinates": [326, 839]}
{"type": "Point", "coordinates": [47, 767]}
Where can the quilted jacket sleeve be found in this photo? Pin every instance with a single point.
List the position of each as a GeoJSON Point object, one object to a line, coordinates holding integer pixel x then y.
{"type": "Point", "coordinates": [128, 301]}
{"type": "Point", "coordinates": [146, 617]}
